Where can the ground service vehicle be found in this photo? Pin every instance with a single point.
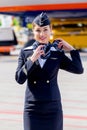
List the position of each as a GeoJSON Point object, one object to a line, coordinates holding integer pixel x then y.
{"type": "Point", "coordinates": [73, 30]}
{"type": "Point", "coordinates": [7, 40]}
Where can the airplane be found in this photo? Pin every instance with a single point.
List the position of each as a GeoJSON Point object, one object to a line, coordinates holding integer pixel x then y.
{"type": "Point", "coordinates": [29, 5]}
{"type": "Point", "coordinates": [61, 11]}
{"type": "Point", "coordinates": [57, 8]}
{"type": "Point", "coordinates": [33, 7]}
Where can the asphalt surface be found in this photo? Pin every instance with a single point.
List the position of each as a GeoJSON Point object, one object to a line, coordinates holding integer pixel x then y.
{"type": "Point", "coordinates": [73, 89]}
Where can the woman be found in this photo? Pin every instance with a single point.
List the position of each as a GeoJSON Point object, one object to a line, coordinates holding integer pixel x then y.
{"type": "Point", "coordinates": [43, 109]}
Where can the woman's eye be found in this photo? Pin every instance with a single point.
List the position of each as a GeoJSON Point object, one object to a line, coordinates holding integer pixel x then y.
{"type": "Point", "coordinates": [45, 30]}
{"type": "Point", "coordinates": [37, 30]}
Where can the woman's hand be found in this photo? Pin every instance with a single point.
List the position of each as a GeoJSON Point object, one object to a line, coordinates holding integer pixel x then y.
{"type": "Point", "coordinates": [37, 53]}
{"type": "Point", "coordinates": [65, 45]}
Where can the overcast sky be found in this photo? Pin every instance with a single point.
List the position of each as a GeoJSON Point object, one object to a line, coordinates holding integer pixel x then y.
{"type": "Point", "coordinates": [33, 2]}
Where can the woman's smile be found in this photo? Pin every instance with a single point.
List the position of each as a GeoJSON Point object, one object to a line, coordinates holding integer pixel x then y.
{"type": "Point", "coordinates": [42, 38]}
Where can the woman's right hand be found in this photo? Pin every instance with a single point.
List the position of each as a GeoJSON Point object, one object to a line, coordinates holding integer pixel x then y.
{"type": "Point", "coordinates": [37, 53]}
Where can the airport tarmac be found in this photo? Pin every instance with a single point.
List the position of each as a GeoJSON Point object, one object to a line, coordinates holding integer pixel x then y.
{"type": "Point", "coordinates": [73, 88]}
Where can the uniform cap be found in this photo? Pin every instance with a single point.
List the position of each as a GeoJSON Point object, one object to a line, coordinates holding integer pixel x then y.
{"type": "Point", "coordinates": [42, 20]}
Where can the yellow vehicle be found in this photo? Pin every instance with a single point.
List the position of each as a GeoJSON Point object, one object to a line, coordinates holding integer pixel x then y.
{"type": "Point", "coordinates": [72, 30]}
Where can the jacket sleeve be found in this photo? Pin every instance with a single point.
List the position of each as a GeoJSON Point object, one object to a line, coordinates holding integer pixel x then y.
{"type": "Point", "coordinates": [73, 64]}
{"type": "Point", "coordinates": [23, 68]}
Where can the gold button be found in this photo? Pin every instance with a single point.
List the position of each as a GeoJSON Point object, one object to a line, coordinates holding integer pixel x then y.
{"type": "Point", "coordinates": [48, 81]}
{"type": "Point", "coordinates": [35, 82]}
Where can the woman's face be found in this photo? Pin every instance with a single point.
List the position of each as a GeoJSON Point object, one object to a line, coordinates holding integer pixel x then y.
{"type": "Point", "coordinates": [42, 34]}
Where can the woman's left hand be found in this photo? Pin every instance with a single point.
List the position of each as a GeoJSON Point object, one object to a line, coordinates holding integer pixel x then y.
{"type": "Point", "coordinates": [64, 45]}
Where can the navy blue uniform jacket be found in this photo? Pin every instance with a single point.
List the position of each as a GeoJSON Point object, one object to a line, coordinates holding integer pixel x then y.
{"type": "Point", "coordinates": [42, 84]}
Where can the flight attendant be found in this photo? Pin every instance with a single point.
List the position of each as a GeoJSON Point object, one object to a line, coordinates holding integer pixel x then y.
{"type": "Point", "coordinates": [39, 65]}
